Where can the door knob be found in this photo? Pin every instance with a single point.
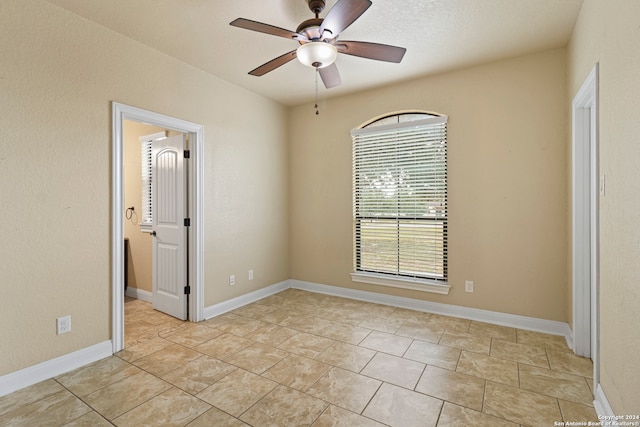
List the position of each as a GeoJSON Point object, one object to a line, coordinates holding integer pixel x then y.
{"type": "Point", "coordinates": [153, 233]}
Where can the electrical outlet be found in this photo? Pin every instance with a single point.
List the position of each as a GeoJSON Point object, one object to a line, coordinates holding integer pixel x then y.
{"type": "Point", "coordinates": [250, 274]}
{"type": "Point", "coordinates": [63, 324]}
{"type": "Point", "coordinates": [468, 286]}
{"type": "Point", "coordinates": [232, 280]}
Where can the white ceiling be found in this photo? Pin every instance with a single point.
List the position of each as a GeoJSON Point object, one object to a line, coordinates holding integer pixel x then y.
{"type": "Point", "coordinates": [439, 35]}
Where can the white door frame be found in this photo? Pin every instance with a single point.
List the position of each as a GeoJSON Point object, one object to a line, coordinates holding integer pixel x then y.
{"type": "Point", "coordinates": [585, 191]}
{"type": "Point", "coordinates": [120, 113]}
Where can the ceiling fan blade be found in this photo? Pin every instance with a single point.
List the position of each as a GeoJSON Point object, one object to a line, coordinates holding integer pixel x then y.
{"type": "Point", "coordinates": [343, 14]}
{"type": "Point", "coordinates": [380, 52]}
{"type": "Point", "coordinates": [273, 64]}
{"type": "Point", "coordinates": [330, 76]}
{"type": "Point", "coordinates": [260, 27]}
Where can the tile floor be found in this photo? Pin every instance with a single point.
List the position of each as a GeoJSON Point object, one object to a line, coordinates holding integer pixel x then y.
{"type": "Point", "coordinates": [298, 358]}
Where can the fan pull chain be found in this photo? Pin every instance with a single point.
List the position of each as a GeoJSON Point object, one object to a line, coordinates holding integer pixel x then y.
{"type": "Point", "coordinates": [316, 106]}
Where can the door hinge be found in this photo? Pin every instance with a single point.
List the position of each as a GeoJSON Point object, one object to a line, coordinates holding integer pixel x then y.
{"type": "Point", "coordinates": [187, 290]}
{"type": "Point", "coordinates": [187, 222]}
{"type": "Point", "coordinates": [187, 154]}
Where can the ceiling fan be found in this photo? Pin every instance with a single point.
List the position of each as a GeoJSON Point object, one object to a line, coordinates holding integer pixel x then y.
{"type": "Point", "coordinates": [318, 38]}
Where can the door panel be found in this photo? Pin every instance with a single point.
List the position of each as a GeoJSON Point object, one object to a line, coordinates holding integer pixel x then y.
{"type": "Point", "coordinates": [169, 211]}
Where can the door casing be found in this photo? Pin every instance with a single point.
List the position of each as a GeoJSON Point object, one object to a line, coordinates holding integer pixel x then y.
{"type": "Point", "coordinates": [585, 240]}
{"type": "Point", "coordinates": [120, 113]}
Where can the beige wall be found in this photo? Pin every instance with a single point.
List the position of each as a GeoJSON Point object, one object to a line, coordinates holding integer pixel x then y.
{"type": "Point", "coordinates": [608, 33]}
{"type": "Point", "coordinates": [507, 193]}
{"type": "Point", "coordinates": [140, 249]}
{"type": "Point", "coordinates": [58, 76]}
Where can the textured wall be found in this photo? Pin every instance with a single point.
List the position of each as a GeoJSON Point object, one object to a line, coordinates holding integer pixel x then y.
{"type": "Point", "coordinates": [608, 33]}
{"type": "Point", "coordinates": [58, 76]}
{"type": "Point", "coordinates": [507, 175]}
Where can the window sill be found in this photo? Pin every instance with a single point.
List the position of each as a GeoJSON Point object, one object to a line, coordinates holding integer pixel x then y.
{"type": "Point", "coordinates": [423, 285]}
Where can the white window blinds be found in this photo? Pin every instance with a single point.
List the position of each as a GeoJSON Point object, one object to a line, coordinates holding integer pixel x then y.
{"type": "Point", "coordinates": [400, 198]}
{"type": "Point", "coordinates": [147, 178]}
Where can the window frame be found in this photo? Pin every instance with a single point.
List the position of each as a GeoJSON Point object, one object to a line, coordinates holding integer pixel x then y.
{"type": "Point", "coordinates": [426, 282]}
{"type": "Point", "coordinates": [146, 141]}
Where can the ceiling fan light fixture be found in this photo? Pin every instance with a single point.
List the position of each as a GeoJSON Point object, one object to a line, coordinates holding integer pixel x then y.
{"type": "Point", "coordinates": [317, 54]}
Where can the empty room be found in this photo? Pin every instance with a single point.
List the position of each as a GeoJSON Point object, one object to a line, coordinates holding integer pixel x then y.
{"type": "Point", "coordinates": [323, 213]}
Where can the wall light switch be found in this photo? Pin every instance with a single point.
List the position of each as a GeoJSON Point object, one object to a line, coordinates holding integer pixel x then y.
{"type": "Point", "coordinates": [250, 274]}
{"type": "Point", "coordinates": [232, 280]}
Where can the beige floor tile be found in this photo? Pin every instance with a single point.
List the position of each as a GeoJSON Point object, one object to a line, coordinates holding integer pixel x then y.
{"type": "Point", "coordinates": [90, 419]}
{"type": "Point", "coordinates": [346, 356]}
{"type": "Point", "coordinates": [466, 341]}
{"type": "Point", "coordinates": [304, 344]}
{"type": "Point", "coordinates": [396, 406]}
{"type": "Point", "coordinates": [142, 349]}
{"type": "Point", "coordinates": [254, 310]}
{"type": "Point", "coordinates": [557, 384]}
{"type": "Point", "coordinates": [381, 324]}
{"type": "Point", "coordinates": [455, 416]}
{"type": "Point", "coordinates": [280, 316]}
{"type": "Point", "coordinates": [577, 412]}
{"type": "Point", "coordinates": [350, 334]}
{"type": "Point", "coordinates": [421, 332]}
{"type": "Point", "coordinates": [570, 363]}
{"type": "Point", "coordinates": [297, 372]}
{"type": "Point", "coordinates": [522, 353]}
{"type": "Point", "coordinates": [388, 343]}
{"type": "Point", "coordinates": [214, 417]}
{"type": "Point", "coordinates": [174, 407]}
{"type": "Point", "coordinates": [117, 398]}
{"type": "Point", "coordinates": [56, 409]}
{"type": "Point", "coordinates": [257, 358]}
{"type": "Point", "coordinates": [237, 392]}
{"type": "Point", "coordinates": [284, 406]}
{"type": "Point", "coordinates": [494, 331]}
{"type": "Point", "coordinates": [166, 360]}
{"type": "Point", "coordinates": [449, 324]}
{"type": "Point", "coordinates": [271, 334]}
{"type": "Point", "coordinates": [538, 339]}
{"type": "Point", "coordinates": [335, 416]}
{"type": "Point", "coordinates": [395, 370]}
{"type": "Point", "coordinates": [521, 406]}
{"type": "Point", "coordinates": [489, 368]}
{"type": "Point", "coordinates": [28, 395]}
{"type": "Point", "coordinates": [345, 389]}
{"type": "Point", "coordinates": [454, 387]}
{"type": "Point", "coordinates": [243, 326]}
{"type": "Point", "coordinates": [94, 376]}
{"type": "Point", "coordinates": [433, 354]}
{"type": "Point", "coordinates": [193, 335]}
{"type": "Point", "coordinates": [221, 322]}
{"type": "Point", "coordinates": [223, 346]}
{"type": "Point", "coordinates": [196, 375]}
{"type": "Point", "coordinates": [407, 316]}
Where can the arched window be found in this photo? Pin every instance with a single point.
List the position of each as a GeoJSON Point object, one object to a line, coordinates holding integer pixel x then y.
{"type": "Point", "coordinates": [400, 201]}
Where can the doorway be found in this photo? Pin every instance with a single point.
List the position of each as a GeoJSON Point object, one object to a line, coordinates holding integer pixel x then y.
{"type": "Point", "coordinates": [586, 189]}
{"type": "Point", "coordinates": [194, 267]}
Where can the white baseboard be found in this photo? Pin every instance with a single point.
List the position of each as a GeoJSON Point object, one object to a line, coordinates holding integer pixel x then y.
{"type": "Point", "coordinates": [140, 294]}
{"type": "Point", "coordinates": [232, 304]}
{"type": "Point", "coordinates": [520, 322]}
{"type": "Point", "coordinates": [54, 367]}
{"type": "Point", "coordinates": [601, 404]}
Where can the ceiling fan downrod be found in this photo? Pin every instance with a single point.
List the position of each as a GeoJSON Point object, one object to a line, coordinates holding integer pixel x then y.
{"type": "Point", "coordinates": [316, 6]}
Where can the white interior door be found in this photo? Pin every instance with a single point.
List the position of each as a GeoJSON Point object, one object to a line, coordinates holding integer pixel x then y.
{"type": "Point", "coordinates": [170, 234]}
